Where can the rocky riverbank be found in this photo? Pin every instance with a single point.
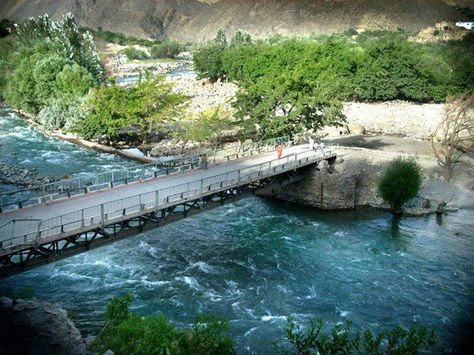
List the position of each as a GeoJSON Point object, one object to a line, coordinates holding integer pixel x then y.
{"type": "Point", "coordinates": [13, 175]}
{"type": "Point", "coordinates": [352, 182]}
{"type": "Point", "coordinates": [37, 327]}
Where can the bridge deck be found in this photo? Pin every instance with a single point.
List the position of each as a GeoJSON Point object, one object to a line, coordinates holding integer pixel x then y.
{"type": "Point", "coordinates": [85, 212]}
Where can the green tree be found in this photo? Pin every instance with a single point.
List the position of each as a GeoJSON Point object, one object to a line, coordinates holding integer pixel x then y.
{"type": "Point", "coordinates": [108, 114]}
{"type": "Point", "coordinates": [208, 126]}
{"type": "Point", "coordinates": [221, 38]}
{"type": "Point", "coordinates": [141, 111]}
{"type": "Point", "coordinates": [133, 53]}
{"type": "Point", "coordinates": [75, 80]}
{"type": "Point", "coordinates": [65, 39]}
{"type": "Point", "coordinates": [241, 39]}
{"type": "Point", "coordinates": [400, 183]}
{"type": "Point", "coordinates": [154, 104]}
{"type": "Point", "coordinates": [167, 49]}
{"type": "Point", "coordinates": [63, 112]}
{"type": "Point", "coordinates": [44, 75]}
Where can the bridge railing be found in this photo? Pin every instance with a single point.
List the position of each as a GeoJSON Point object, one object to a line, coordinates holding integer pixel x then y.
{"type": "Point", "coordinates": [106, 180]}
{"type": "Point", "coordinates": [125, 208]}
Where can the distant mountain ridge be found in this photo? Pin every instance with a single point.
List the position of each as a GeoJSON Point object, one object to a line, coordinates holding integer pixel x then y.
{"type": "Point", "coordinates": [199, 20]}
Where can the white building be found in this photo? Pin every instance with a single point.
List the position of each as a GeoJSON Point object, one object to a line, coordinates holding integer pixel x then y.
{"type": "Point", "coordinates": [466, 25]}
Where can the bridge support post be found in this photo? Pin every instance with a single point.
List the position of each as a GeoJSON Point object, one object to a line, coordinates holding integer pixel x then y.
{"type": "Point", "coordinates": [157, 201]}
{"type": "Point", "coordinates": [38, 233]}
{"type": "Point", "coordinates": [102, 215]}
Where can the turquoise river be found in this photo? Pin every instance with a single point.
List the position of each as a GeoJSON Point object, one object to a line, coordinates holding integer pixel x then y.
{"type": "Point", "coordinates": [256, 261]}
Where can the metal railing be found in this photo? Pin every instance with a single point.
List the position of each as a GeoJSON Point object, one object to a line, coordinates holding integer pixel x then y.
{"type": "Point", "coordinates": [100, 215]}
{"type": "Point", "coordinates": [102, 181]}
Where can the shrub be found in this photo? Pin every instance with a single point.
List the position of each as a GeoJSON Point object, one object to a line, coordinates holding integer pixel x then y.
{"type": "Point", "coordinates": [127, 333]}
{"type": "Point", "coordinates": [342, 340]}
{"type": "Point", "coordinates": [133, 53]}
{"type": "Point", "coordinates": [400, 183]}
{"type": "Point", "coordinates": [168, 49]}
{"type": "Point", "coordinates": [63, 112]}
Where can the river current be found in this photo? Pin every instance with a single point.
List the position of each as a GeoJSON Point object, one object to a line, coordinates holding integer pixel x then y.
{"type": "Point", "coordinates": [256, 261]}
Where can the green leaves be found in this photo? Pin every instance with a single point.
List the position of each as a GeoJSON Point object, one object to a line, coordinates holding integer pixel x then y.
{"type": "Point", "coordinates": [131, 334]}
{"type": "Point", "coordinates": [140, 111]}
{"type": "Point", "coordinates": [342, 340]}
{"type": "Point", "coordinates": [207, 126]}
{"type": "Point", "coordinates": [401, 182]}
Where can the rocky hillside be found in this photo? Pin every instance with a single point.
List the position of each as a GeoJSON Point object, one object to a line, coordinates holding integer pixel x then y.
{"type": "Point", "coordinates": [198, 20]}
{"type": "Point", "coordinates": [144, 18]}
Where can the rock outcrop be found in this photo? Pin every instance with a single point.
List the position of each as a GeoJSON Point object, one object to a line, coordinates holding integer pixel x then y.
{"type": "Point", "coordinates": [36, 327]}
{"type": "Point", "coordinates": [352, 182]}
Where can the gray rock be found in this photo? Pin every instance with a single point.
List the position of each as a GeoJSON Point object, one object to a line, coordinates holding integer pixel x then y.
{"type": "Point", "coordinates": [89, 340]}
{"type": "Point", "coordinates": [108, 352]}
{"type": "Point", "coordinates": [6, 302]}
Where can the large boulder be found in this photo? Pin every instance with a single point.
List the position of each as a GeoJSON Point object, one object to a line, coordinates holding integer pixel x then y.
{"type": "Point", "coordinates": [36, 327]}
{"type": "Point", "coordinates": [356, 129]}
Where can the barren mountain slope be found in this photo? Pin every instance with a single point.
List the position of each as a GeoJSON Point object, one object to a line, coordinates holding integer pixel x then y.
{"type": "Point", "coordinates": [147, 18]}
{"type": "Point", "coordinates": [199, 20]}
{"type": "Point", "coordinates": [296, 17]}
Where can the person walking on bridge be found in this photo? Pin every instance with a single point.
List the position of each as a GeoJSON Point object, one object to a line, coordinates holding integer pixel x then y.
{"type": "Point", "coordinates": [204, 161]}
{"type": "Point", "coordinates": [279, 151]}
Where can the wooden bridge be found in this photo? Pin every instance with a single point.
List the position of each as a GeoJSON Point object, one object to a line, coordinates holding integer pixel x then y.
{"type": "Point", "coordinates": [51, 229]}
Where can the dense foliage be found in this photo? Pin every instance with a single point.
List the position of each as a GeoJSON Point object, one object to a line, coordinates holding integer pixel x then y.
{"type": "Point", "coordinates": [130, 334]}
{"type": "Point", "coordinates": [289, 85]}
{"type": "Point", "coordinates": [119, 38]}
{"type": "Point", "coordinates": [208, 126]}
{"type": "Point", "coordinates": [342, 340]}
{"type": "Point", "coordinates": [148, 107]}
{"type": "Point", "coordinates": [167, 49]}
{"type": "Point", "coordinates": [47, 67]}
{"type": "Point", "coordinates": [133, 53]}
{"type": "Point", "coordinates": [401, 182]}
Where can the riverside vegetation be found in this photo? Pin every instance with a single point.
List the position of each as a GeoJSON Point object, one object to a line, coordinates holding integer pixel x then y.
{"type": "Point", "coordinates": [289, 85]}
{"type": "Point", "coordinates": [128, 333]}
{"type": "Point", "coordinates": [52, 71]}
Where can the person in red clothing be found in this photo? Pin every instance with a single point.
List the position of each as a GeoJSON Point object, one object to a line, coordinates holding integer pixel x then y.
{"type": "Point", "coordinates": [280, 151]}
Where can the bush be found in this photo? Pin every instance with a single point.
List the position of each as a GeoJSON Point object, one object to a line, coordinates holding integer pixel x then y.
{"type": "Point", "coordinates": [168, 49]}
{"type": "Point", "coordinates": [119, 38]}
{"type": "Point", "coordinates": [63, 112]}
{"type": "Point", "coordinates": [400, 183]}
{"type": "Point", "coordinates": [135, 53]}
{"type": "Point", "coordinates": [127, 333]}
{"type": "Point", "coordinates": [342, 340]}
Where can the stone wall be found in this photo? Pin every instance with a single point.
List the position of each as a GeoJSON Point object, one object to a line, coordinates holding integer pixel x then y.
{"type": "Point", "coordinates": [352, 182]}
{"type": "Point", "coordinates": [347, 184]}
